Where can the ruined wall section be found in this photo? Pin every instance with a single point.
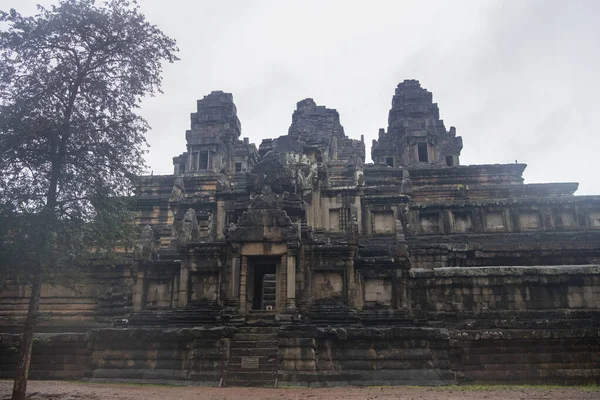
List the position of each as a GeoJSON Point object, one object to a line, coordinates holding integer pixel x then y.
{"type": "Point", "coordinates": [416, 135]}
{"type": "Point", "coordinates": [314, 156]}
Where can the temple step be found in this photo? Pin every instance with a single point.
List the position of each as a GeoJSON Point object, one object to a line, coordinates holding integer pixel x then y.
{"type": "Point", "coordinates": [254, 357]}
{"type": "Point", "coordinates": [194, 314]}
{"type": "Point", "coordinates": [269, 293]}
{"type": "Point", "coordinates": [332, 312]}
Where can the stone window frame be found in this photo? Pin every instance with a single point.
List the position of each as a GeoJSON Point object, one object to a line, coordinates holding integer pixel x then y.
{"type": "Point", "coordinates": [344, 221]}
{"type": "Point", "coordinates": [540, 224]}
{"type": "Point", "coordinates": [502, 213]}
{"type": "Point", "coordinates": [194, 156]}
{"type": "Point", "coordinates": [230, 217]}
{"type": "Point", "coordinates": [437, 213]}
{"type": "Point", "coordinates": [365, 278]}
{"type": "Point", "coordinates": [203, 166]}
{"type": "Point", "coordinates": [463, 212]}
{"type": "Point", "coordinates": [203, 273]}
{"type": "Point", "coordinates": [590, 220]}
{"type": "Point", "coordinates": [195, 160]}
{"type": "Point", "coordinates": [381, 211]}
{"type": "Point", "coordinates": [426, 152]}
{"type": "Point", "coordinates": [332, 269]}
{"type": "Point", "coordinates": [557, 215]}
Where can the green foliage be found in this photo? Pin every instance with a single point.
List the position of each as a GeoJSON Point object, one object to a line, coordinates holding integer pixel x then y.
{"type": "Point", "coordinates": [71, 81]}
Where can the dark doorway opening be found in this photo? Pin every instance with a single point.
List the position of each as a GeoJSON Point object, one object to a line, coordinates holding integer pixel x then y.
{"type": "Point", "coordinates": [203, 160]}
{"type": "Point", "coordinates": [449, 161]}
{"type": "Point", "coordinates": [423, 152]}
{"type": "Point", "coordinates": [264, 285]}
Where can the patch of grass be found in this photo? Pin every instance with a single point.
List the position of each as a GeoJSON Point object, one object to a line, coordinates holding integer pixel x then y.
{"type": "Point", "coordinates": [481, 388]}
{"type": "Point", "coordinates": [590, 388]}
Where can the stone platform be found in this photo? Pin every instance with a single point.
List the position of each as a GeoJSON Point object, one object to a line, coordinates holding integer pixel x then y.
{"type": "Point", "coordinates": [312, 356]}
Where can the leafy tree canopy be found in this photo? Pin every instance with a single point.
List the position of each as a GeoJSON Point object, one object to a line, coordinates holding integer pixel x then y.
{"type": "Point", "coordinates": [71, 81]}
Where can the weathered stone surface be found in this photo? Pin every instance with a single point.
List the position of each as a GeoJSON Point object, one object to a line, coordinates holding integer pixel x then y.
{"type": "Point", "coordinates": [298, 263]}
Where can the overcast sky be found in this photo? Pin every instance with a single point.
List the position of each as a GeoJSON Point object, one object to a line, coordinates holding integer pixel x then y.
{"type": "Point", "coordinates": [519, 79]}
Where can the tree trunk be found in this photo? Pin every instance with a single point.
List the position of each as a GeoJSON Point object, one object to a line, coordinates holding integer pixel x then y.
{"type": "Point", "coordinates": [20, 386]}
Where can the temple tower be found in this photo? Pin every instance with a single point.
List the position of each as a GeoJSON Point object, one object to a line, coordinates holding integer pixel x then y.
{"type": "Point", "coordinates": [416, 136]}
{"type": "Point", "coordinates": [213, 139]}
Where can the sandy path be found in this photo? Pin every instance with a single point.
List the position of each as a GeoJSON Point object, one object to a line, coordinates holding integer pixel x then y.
{"type": "Point", "coordinates": [57, 390]}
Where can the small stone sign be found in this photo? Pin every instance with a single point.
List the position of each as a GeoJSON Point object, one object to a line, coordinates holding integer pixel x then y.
{"type": "Point", "coordinates": [250, 362]}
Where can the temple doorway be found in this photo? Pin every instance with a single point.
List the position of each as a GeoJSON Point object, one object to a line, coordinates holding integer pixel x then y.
{"type": "Point", "coordinates": [262, 284]}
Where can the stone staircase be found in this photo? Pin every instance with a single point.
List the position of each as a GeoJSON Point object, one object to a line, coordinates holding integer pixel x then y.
{"type": "Point", "coordinates": [269, 291]}
{"type": "Point", "coordinates": [254, 357]}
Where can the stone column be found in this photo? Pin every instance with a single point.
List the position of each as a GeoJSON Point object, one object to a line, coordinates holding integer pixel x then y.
{"type": "Point", "coordinates": [291, 283]}
{"type": "Point", "coordinates": [139, 288]}
{"type": "Point", "coordinates": [281, 284]}
{"type": "Point", "coordinates": [175, 292]}
{"type": "Point", "coordinates": [400, 294]}
{"type": "Point", "coordinates": [447, 222]}
{"type": "Point", "coordinates": [242, 286]}
{"type": "Point", "coordinates": [220, 215]}
{"type": "Point", "coordinates": [234, 293]}
{"type": "Point", "coordinates": [184, 283]}
{"type": "Point", "coordinates": [350, 286]}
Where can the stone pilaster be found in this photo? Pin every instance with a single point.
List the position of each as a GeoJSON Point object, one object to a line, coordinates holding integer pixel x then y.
{"type": "Point", "coordinates": [234, 289]}
{"type": "Point", "coordinates": [184, 283]}
{"type": "Point", "coordinates": [139, 292]}
{"type": "Point", "coordinates": [243, 284]}
{"type": "Point", "coordinates": [290, 303]}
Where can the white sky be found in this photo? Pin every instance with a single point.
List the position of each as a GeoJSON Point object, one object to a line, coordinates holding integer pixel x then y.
{"type": "Point", "coordinates": [518, 78]}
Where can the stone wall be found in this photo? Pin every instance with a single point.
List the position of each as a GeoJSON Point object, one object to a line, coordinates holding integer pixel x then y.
{"type": "Point", "coordinates": [178, 356]}
{"type": "Point", "coordinates": [383, 356]}
{"type": "Point", "coordinates": [466, 292]}
{"type": "Point", "coordinates": [105, 295]}
{"type": "Point", "coordinates": [55, 356]}
{"type": "Point", "coordinates": [320, 356]}
{"type": "Point", "coordinates": [557, 356]}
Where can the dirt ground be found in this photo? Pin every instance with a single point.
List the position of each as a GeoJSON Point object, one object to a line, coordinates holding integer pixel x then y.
{"type": "Point", "coordinates": [57, 390]}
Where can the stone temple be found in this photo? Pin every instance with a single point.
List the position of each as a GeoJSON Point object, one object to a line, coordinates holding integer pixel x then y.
{"type": "Point", "coordinates": [298, 263]}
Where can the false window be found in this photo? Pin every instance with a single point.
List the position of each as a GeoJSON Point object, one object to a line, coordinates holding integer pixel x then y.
{"type": "Point", "coordinates": [383, 222]}
{"type": "Point", "coordinates": [430, 222]}
{"type": "Point", "coordinates": [339, 219]}
{"type": "Point", "coordinates": [422, 149]}
{"type": "Point", "coordinates": [462, 221]}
